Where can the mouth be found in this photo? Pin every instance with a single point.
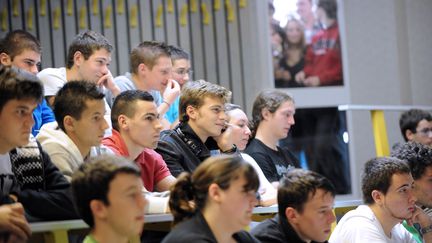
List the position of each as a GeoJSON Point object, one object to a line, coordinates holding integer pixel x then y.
{"type": "Point", "coordinates": [139, 218]}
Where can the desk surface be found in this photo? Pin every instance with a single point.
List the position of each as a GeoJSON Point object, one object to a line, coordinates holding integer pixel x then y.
{"type": "Point", "coordinates": [155, 218]}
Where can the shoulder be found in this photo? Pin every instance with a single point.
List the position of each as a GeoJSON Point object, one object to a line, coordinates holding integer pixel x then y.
{"type": "Point", "coordinates": [268, 231]}
{"type": "Point", "coordinates": [168, 135]}
{"type": "Point", "coordinates": [244, 237]}
{"type": "Point", "coordinates": [190, 230]}
{"type": "Point", "coordinates": [124, 83]}
{"type": "Point", "coordinates": [358, 225]}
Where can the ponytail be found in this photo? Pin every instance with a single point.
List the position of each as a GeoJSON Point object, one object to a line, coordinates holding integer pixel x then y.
{"type": "Point", "coordinates": [182, 198]}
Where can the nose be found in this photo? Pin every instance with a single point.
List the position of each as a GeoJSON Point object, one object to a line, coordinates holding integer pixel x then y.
{"type": "Point", "coordinates": [34, 69]}
{"type": "Point", "coordinates": [331, 217]}
{"type": "Point", "coordinates": [291, 120]}
{"type": "Point", "coordinates": [105, 69]}
{"type": "Point", "coordinates": [247, 130]}
{"type": "Point", "coordinates": [142, 201]}
{"type": "Point", "coordinates": [104, 124]}
{"type": "Point", "coordinates": [186, 77]}
{"type": "Point", "coordinates": [158, 125]}
{"type": "Point", "coordinates": [30, 120]}
{"type": "Point", "coordinates": [223, 116]}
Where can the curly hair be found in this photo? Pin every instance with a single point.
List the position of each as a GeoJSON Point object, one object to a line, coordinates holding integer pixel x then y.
{"type": "Point", "coordinates": [417, 155]}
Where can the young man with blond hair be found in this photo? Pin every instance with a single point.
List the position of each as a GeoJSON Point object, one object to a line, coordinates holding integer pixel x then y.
{"type": "Point", "coordinates": [202, 128]}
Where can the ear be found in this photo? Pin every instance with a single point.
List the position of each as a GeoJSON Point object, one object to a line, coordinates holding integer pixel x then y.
{"type": "Point", "coordinates": [123, 122]}
{"type": "Point", "coordinates": [5, 59]}
{"type": "Point", "coordinates": [78, 58]}
{"type": "Point", "coordinates": [214, 192]}
{"type": "Point", "coordinates": [69, 124]}
{"type": "Point", "coordinates": [266, 114]}
{"type": "Point", "coordinates": [142, 68]}
{"type": "Point", "coordinates": [191, 112]}
{"type": "Point", "coordinates": [377, 196]}
{"type": "Point", "coordinates": [409, 135]}
{"type": "Point", "coordinates": [291, 215]}
{"type": "Point", "coordinates": [98, 209]}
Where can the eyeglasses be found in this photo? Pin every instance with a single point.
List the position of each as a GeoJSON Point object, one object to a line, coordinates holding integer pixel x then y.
{"type": "Point", "coordinates": [426, 132]}
{"type": "Point", "coordinates": [183, 72]}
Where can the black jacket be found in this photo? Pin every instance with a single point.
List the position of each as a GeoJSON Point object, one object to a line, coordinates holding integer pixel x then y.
{"type": "Point", "coordinates": [276, 230]}
{"type": "Point", "coordinates": [196, 229]}
{"type": "Point", "coordinates": [40, 186]}
{"type": "Point", "coordinates": [183, 150]}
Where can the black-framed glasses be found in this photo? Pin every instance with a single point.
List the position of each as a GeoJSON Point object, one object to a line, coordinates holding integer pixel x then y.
{"type": "Point", "coordinates": [183, 72]}
{"type": "Point", "coordinates": [425, 131]}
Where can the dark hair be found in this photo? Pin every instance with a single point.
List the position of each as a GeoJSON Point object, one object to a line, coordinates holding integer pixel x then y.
{"type": "Point", "coordinates": [147, 52]}
{"type": "Point", "coordinates": [17, 41]}
{"type": "Point", "coordinates": [378, 173]}
{"type": "Point", "coordinates": [410, 119]}
{"type": "Point", "coordinates": [330, 8]}
{"type": "Point", "coordinates": [18, 84]}
{"type": "Point", "coordinates": [231, 107]}
{"type": "Point", "coordinates": [417, 155]}
{"type": "Point", "coordinates": [222, 170]}
{"type": "Point", "coordinates": [71, 100]}
{"type": "Point", "coordinates": [270, 100]}
{"type": "Point", "coordinates": [194, 92]}
{"type": "Point", "coordinates": [125, 104]}
{"type": "Point", "coordinates": [298, 186]}
{"type": "Point", "coordinates": [92, 180]}
{"type": "Point", "coordinates": [87, 43]}
{"type": "Point", "coordinates": [177, 53]}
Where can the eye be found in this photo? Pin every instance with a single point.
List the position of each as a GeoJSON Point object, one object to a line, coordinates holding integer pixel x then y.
{"type": "Point", "coordinates": [20, 112]}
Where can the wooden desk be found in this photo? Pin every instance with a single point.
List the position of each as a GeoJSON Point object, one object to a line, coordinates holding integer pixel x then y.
{"type": "Point", "coordinates": [57, 231]}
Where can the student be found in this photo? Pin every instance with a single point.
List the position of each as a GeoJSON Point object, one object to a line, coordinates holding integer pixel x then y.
{"type": "Point", "coordinates": [323, 60]}
{"type": "Point", "coordinates": [387, 187]}
{"type": "Point", "coordinates": [181, 72]}
{"type": "Point", "coordinates": [419, 159]}
{"type": "Point", "coordinates": [151, 69]}
{"type": "Point", "coordinates": [272, 117]}
{"type": "Point", "coordinates": [416, 125]}
{"type": "Point", "coordinates": [22, 50]}
{"type": "Point", "coordinates": [88, 58]}
{"type": "Point", "coordinates": [305, 200]}
{"type": "Point", "coordinates": [79, 109]}
{"type": "Point", "coordinates": [136, 129]}
{"type": "Point", "coordinates": [107, 193]}
{"type": "Point", "coordinates": [202, 120]}
{"type": "Point", "coordinates": [215, 202]}
{"type": "Point", "coordinates": [28, 175]}
{"type": "Point", "coordinates": [239, 122]}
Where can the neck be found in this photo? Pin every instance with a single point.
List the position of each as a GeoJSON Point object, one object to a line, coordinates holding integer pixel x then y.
{"type": "Point", "coordinates": [133, 149]}
{"type": "Point", "coordinates": [297, 230]}
{"type": "Point", "coordinates": [105, 234]}
{"type": "Point", "coordinates": [222, 232]}
{"type": "Point", "coordinates": [203, 137]}
{"type": "Point", "coordinates": [4, 148]}
{"type": "Point", "coordinates": [385, 218]}
{"type": "Point", "coordinates": [266, 138]}
{"type": "Point", "coordinates": [84, 149]}
{"type": "Point", "coordinates": [139, 82]}
{"type": "Point", "coordinates": [73, 74]}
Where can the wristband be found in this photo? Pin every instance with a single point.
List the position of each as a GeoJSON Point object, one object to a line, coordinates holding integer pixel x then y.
{"type": "Point", "coordinates": [166, 102]}
{"type": "Point", "coordinates": [231, 150]}
{"type": "Point", "coordinates": [426, 229]}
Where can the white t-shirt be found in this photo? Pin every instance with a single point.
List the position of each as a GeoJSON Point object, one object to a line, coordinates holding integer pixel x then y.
{"type": "Point", "coordinates": [266, 189]}
{"type": "Point", "coordinates": [6, 175]}
{"type": "Point", "coordinates": [361, 225]}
